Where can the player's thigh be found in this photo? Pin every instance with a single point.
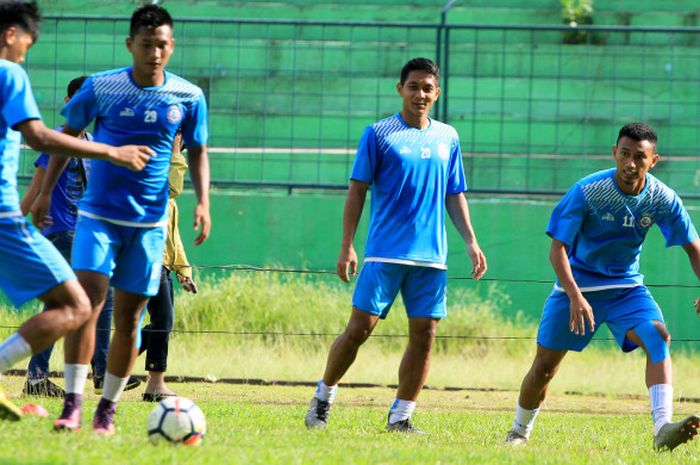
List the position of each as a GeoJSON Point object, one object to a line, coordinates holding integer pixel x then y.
{"type": "Point", "coordinates": [95, 246]}
{"type": "Point", "coordinates": [139, 261]}
{"type": "Point", "coordinates": [553, 332]}
{"type": "Point", "coordinates": [29, 265]}
{"type": "Point", "coordinates": [424, 292]}
{"type": "Point", "coordinates": [634, 308]}
{"type": "Point", "coordinates": [377, 287]}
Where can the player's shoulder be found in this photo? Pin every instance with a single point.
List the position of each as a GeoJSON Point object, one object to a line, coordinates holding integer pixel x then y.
{"type": "Point", "coordinates": [109, 80]}
{"type": "Point", "coordinates": [599, 179]}
{"type": "Point", "coordinates": [659, 189]}
{"type": "Point", "coordinates": [387, 124]}
{"type": "Point", "coordinates": [181, 86]}
{"type": "Point", "coordinates": [443, 129]}
{"type": "Point", "coordinates": [10, 70]}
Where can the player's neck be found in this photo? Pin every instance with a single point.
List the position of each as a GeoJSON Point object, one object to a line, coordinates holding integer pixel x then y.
{"type": "Point", "coordinates": [418, 122]}
{"type": "Point", "coordinates": [631, 189]}
{"type": "Point", "coordinates": [148, 79]}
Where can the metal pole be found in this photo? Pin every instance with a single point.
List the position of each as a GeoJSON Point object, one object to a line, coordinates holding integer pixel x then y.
{"type": "Point", "coordinates": [443, 58]}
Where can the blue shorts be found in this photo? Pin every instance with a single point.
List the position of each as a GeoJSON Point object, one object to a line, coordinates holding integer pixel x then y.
{"type": "Point", "coordinates": [29, 265]}
{"type": "Point", "coordinates": [621, 309]}
{"type": "Point", "coordinates": [130, 256]}
{"type": "Point", "coordinates": [422, 289]}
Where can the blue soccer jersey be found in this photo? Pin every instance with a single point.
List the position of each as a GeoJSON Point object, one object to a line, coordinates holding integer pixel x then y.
{"type": "Point", "coordinates": [604, 228]}
{"type": "Point", "coordinates": [411, 171]}
{"type": "Point", "coordinates": [17, 104]}
{"type": "Point", "coordinates": [126, 113]}
{"type": "Point", "coordinates": [67, 193]}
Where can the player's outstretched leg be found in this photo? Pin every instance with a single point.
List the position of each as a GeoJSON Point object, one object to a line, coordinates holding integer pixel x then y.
{"type": "Point", "coordinates": [533, 391]}
{"type": "Point", "coordinates": [340, 357]}
{"type": "Point", "coordinates": [672, 435]}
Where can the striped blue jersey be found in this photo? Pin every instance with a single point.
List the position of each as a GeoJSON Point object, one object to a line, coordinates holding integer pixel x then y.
{"type": "Point", "coordinates": [17, 105]}
{"type": "Point", "coordinates": [604, 228]}
{"type": "Point", "coordinates": [411, 171]}
{"type": "Point", "coordinates": [126, 113]}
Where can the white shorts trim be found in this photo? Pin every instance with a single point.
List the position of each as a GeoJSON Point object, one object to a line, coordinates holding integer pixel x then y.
{"type": "Point", "coordinates": [10, 214]}
{"type": "Point", "coordinates": [400, 261]}
{"type": "Point", "coordinates": [601, 288]}
{"type": "Point", "coordinates": [132, 224]}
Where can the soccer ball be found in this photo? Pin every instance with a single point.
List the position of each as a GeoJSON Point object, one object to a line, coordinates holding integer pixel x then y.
{"type": "Point", "coordinates": [176, 420]}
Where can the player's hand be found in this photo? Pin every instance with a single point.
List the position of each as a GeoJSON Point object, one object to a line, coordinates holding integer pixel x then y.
{"type": "Point", "coordinates": [187, 283]}
{"type": "Point", "coordinates": [581, 312]}
{"type": "Point", "coordinates": [696, 304]}
{"type": "Point", "coordinates": [347, 263]}
{"type": "Point", "coordinates": [478, 260]}
{"type": "Point", "coordinates": [133, 157]}
{"type": "Point", "coordinates": [40, 211]}
{"type": "Point", "coordinates": [202, 219]}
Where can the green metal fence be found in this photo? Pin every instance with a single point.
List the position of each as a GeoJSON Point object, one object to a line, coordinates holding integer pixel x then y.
{"type": "Point", "coordinates": [536, 107]}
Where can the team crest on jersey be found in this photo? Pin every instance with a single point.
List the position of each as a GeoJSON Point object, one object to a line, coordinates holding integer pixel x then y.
{"type": "Point", "coordinates": [174, 114]}
{"type": "Point", "coordinates": [646, 220]}
{"type": "Point", "coordinates": [443, 151]}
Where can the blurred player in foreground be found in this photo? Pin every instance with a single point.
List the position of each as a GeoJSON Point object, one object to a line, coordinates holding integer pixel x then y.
{"type": "Point", "coordinates": [30, 267]}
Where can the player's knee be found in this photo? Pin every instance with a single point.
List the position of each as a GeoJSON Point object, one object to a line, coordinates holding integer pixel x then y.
{"type": "Point", "coordinates": [357, 334]}
{"type": "Point", "coordinates": [543, 370]}
{"type": "Point", "coordinates": [78, 311]}
{"type": "Point", "coordinates": [655, 339]}
{"type": "Point", "coordinates": [422, 339]}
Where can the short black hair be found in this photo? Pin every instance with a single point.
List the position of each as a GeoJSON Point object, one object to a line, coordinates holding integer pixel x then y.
{"type": "Point", "coordinates": [150, 17]}
{"type": "Point", "coordinates": [22, 14]}
{"type": "Point", "coordinates": [74, 86]}
{"type": "Point", "coordinates": [638, 132]}
{"type": "Point", "coordinates": [420, 64]}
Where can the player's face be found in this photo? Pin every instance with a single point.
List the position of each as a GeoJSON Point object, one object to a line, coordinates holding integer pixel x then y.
{"type": "Point", "coordinates": [151, 49]}
{"type": "Point", "coordinates": [633, 159]}
{"type": "Point", "coordinates": [17, 43]}
{"type": "Point", "coordinates": [419, 92]}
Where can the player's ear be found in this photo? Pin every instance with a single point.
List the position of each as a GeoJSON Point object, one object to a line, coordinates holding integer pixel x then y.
{"type": "Point", "coordinates": [654, 160]}
{"type": "Point", "coordinates": [129, 41]}
{"type": "Point", "coordinates": [614, 149]}
{"type": "Point", "coordinates": [399, 87]}
{"type": "Point", "coordinates": [8, 36]}
{"type": "Point", "coordinates": [438, 91]}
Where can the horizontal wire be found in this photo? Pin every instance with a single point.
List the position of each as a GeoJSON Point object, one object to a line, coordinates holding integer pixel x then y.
{"type": "Point", "coordinates": [383, 336]}
{"type": "Point", "coordinates": [262, 269]}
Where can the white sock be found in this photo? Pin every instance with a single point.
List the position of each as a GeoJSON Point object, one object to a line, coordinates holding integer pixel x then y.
{"type": "Point", "coordinates": [113, 387]}
{"type": "Point", "coordinates": [524, 420]}
{"type": "Point", "coordinates": [12, 350]}
{"type": "Point", "coordinates": [325, 393]}
{"type": "Point", "coordinates": [401, 410]}
{"type": "Point", "coordinates": [75, 376]}
{"type": "Point", "coordinates": [661, 396]}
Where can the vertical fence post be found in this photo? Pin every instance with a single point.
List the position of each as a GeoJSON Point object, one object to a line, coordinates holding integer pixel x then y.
{"type": "Point", "coordinates": [443, 59]}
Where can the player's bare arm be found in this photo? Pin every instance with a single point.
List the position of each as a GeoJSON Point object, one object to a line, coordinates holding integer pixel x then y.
{"type": "Point", "coordinates": [458, 209]}
{"type": "Point", "coordinates": [693, 251]}
{"type": "Point", "coordinates": [32, 191]}
{"type": "Point", "coordinates": [43, 139]}
{"type": "Point", "coordinates": [354, 204]}
{"type": "Point", "coordinates": [581, 311]}
{"type": "Point", "coordinates": [199, 173]}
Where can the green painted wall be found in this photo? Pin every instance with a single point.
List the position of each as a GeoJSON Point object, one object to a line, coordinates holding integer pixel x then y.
{"type": "Point", "coordinates": [303, 230]}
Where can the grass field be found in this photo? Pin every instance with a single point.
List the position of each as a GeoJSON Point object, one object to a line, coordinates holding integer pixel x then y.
{"type": "Point", "coordinates": [264, 425]}
{"type": "Point", "coordinates": [598, 410]}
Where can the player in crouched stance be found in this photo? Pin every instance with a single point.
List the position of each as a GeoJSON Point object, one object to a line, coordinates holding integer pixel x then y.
{"type": "Point", "coordinates": [597, 232]}
{"type": "Point", "coordinates": [414, 165]}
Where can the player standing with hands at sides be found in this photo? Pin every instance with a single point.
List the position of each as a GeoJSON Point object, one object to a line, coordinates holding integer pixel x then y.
{"type": "Point", "coordinates": [414, 165]}
{"type": "Point", "coordinates": [30, 267]}
{"type": "Point", "coordinates": [123, 215]}
{"type": "Point", "coordinates": [597, 232]}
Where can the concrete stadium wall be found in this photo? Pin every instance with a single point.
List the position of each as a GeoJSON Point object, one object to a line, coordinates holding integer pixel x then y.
{"type": "Point", "coordinates": [303, 230]}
